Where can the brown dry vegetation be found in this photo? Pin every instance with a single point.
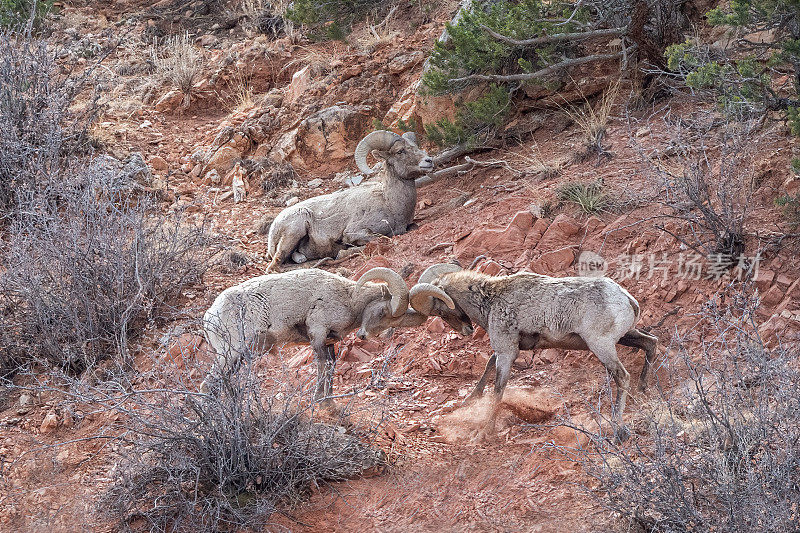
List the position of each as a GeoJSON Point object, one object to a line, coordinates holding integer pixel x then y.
{"type": "Point", "coordinates": [283, 112]}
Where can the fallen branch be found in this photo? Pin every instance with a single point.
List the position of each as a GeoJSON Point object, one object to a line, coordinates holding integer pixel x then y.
{"type": "Point", "coordinates": [527, 76]}
{"type": "Point", "coordinates": [455, 153]}
{"type": "Point", "coordinates": [559, 37]}
{"type": "Point", "coordinates": [441, 174]}
{"type": "Point", "coordinates": [456, 169]}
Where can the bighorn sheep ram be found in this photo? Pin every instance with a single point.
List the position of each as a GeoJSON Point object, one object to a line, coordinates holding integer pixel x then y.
{"type": "Point", "coordinates": [525, 311]}
{"type": "Point", "coordinates": [309, 306]}
{"type": "Point", "coordinates": [324, 225]}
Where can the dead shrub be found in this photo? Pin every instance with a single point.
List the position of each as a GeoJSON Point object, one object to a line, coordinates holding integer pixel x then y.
{"type": "Point", "coordinates": [717, 449]}
{"type": "Point", "coordinates": [227, 462]}
{"type": "Point", "coordinates": [44, 115]}
{"type": "Point", "coordinates": [179, 63]}
{"type": "Point", "coordinates": [704, 180]}
{"type": "Point", "coordinates": [85, 269]}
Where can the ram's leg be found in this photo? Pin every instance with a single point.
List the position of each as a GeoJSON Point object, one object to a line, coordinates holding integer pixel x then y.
{"type": "Point", "coordinates": [227, 347]}
{"type": "Point", "coordinates": [506, 349]}
{"type": "Point", "coordinates": [286, 244]}
{"type": "Point", "coordinates": [325, 354]}
{"type": "Point", "coordinates": [478, 391]}
{"type": "Point", "coordinates": [502, 372]}
{"type": "Point", "coordinates": [649, 344]}
{"type": "Point", "coordinates": [606, 351]}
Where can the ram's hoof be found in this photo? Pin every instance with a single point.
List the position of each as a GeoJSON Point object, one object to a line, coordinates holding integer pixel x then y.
{"type": "Point", "coordinates": [298, 258]}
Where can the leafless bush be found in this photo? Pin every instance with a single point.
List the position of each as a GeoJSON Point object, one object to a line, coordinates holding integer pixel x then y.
{"type": "Point", "coordinates": [83, 272]}
{"type": "Point", "coordinates": [704, 178]}
{"type": "Point", "coordinates": [718, 449]}
{"type": "Point", "coordinates": [195, 463]}
{"type": "Point", "coordinates": [44, 115]}
{"type": "Point", "coordinates": [271, 174]}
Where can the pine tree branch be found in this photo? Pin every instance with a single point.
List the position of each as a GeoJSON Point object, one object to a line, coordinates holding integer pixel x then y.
{"type": "Point", "coordinates": [548, 39]}
{"type": "Point", "coordinates": [527, 76]}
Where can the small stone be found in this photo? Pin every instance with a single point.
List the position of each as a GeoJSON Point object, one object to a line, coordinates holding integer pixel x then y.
{"type": "Point", "coordinates": [213, 177]}
{"type": "Point", "coordinates": [63, 456]}
{"type": "Point", "coordinates": [315, 183]}
{"type": "Point", "coordinates": [548, 356]}
{"type": "Point", "coordinates": [291, 201]}
{"type": "Point", "coordinates": [169, 102]}
{"type": "Point", "coordinates": [25, 400]}
{"type": "Point", "coordinates": [49, 424]}
{"type": "Point", "coordinates": [224, 159]}
{"type": "Point", "coordinates": [403, 62]}
{"type": "Point", "coordinates": [159, 164]}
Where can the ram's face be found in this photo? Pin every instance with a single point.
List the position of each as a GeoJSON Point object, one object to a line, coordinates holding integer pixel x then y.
{"type": "Point", "coordinates": [407, 160]}
{"type": "Point", "coordinates": [455, 318]}
{"type": "Point", "coordinates": [376, 319]}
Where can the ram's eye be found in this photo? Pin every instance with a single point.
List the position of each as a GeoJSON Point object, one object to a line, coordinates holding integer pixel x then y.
{"type": "Point", "coordinates": [402, 151]}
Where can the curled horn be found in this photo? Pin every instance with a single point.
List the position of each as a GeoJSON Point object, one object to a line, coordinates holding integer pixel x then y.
{"type": "Point", "coordinates": [397, 287]}
{"type": "Point", "coordinates": [411, 137]}
{"type": "Point", "coordinates": [377, 140]}
{"type": "Point", "coordinates": [433, 272]}
{"type": "Point", "coordinates": [422, 295]}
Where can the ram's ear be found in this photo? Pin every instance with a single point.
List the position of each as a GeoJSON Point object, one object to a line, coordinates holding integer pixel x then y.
{"type": "Point", "coordinates": [380, 154]}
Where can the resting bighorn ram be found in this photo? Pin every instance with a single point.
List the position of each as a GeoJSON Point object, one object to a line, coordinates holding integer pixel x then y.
{"type": "Point", "coordinates": [309, 306]}
{"type": "Point", "coordinates": [324, 225]}
{"type": "Point", "coordinates": [525, 311]}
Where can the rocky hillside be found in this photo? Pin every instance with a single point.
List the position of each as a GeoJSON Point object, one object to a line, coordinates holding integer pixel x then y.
{"type": "Point", "coordinates": [229, 118]}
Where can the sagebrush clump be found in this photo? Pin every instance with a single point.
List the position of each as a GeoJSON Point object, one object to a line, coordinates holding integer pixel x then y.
{"type": "Point", "coordinates": [227, 462]}
{"type": "Point", "coordinates": [86, 269]}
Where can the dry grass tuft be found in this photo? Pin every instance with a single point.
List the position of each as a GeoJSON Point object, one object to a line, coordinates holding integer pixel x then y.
{"type": "Point", "coordinates": [593, 119]}
{"type": "Point", "coordinates": [178, 62]}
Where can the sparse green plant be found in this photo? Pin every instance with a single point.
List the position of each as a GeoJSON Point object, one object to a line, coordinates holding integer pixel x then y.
{"type": "Point", "coordinates": [377, 124]}
{"type": "Point", "coordinates": [590, 197]}
{"type": "Point", "coordinates": [472, 49]}
{"type": "Point", "coordinates": [179, 63]}
{"type": "Point", "coordinates": [329, 19]}
{"type": "Point", "coordinates": [511, 43]}
{"type": "Point", "coordinates": [748, 76]}
{"type": "Point", "coordinates": [16, 12]}
{"type": "Point", "coordinates": [791, 209]}
{"type": "Point", "coordinates": [411, 125]}
{"type": "Point", "coordinates": [475, 121]}
{"type": "Point", "coordinates": [740, 86]}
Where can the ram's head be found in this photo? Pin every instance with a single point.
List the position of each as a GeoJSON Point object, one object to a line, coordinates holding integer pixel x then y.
{"type": "Point", "coordinates": [402, 157]}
